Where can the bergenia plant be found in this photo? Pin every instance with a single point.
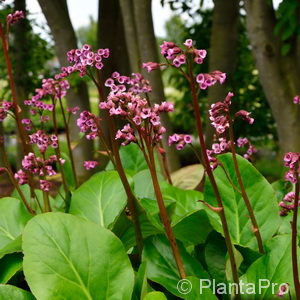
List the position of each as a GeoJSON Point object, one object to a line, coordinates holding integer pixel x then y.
{"type": "Point", "coordinates": [113, 237]}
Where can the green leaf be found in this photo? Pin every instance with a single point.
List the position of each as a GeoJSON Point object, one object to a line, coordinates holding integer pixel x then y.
{"type": "Point", "coordinates": [261, 196]}
{"type": "Point", "coordinates": [10, 292]}
{"type": "Point", "coordinates": [67, 167]}
{"type": "Point", "coordinates": [26, 191]}
{"type": "Point", "coordinates": [10, 264]}
{"type": "Point", "coordinates": [132, 159]}
{"type": "Point", "coordinates": [275, 266]}
{"type": "Point", "coordinates": [193, 229]}
{"type": "Point", "coordinates": [188, 178]}
{"type": "Point", "coordinates": [195, 289]}
{"type": "Point", "coordinates": [141, 284]}
{"type": "Point", "coordinates": [161, 266]}
{"type": "Point", "coordinates": [13, 218]}
{"type": "Point", "coordinates": [155, 296]}
{"type": "Point", "coordinates": [13, 246]}
{"type": "Point", "coordinates": [101, 199]}
{"type": "Point", "coordinates": [65, 255]}
{"type": "Point", "coordinates": [215, 256]}
{"type": "Point", "coordinates": [143, 186]}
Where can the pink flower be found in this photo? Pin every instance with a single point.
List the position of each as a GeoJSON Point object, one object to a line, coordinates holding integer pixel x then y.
{"type": "Point", "coordinates": [180, 140]}
{"type": "Point", "coordinates": [15, 17]}
{"type": "Point", "coordinates": [88, 123]}
{"type": "Point", "coordinates": [188, 43]}
{"type": "Point", "coordinates": [150, 66]}
{"type": "Point", "coordinates": [296, 99]}
{"type": "Point", "coordinates": [45, 185]}
{"type": "Point", "coordinates": [90, 164]}
{"type": "Point", "coordinates": [245, 115]}
{"type": "Point", "coordinates": [208, 79]}
{"type": "Point", "coordinates": [5, 107]}
{"type": "Point", "coordinates": [73, 110]}
{"type": "Point", "coordinates": [21, 177]}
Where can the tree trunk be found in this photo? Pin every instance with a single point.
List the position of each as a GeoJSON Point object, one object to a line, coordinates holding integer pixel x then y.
{"type": "Point", "coordinates": [279, 75]}
{"type": "Point", "coordinates": [222, 53]}
{"type": "Point", "coordinates": [131, 35]}
{"type": "Point", "coordinates": [58, 19]}
{"type": "Point", "coordinates": [148, 52]}
{"type": "Point", "coordinates": [21, 57]}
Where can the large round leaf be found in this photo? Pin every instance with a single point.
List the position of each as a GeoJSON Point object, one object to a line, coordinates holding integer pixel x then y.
{"type": "Point", "coordinates": [10, 292]}
{"type": "Point", "coordinates": [161, 266]}
{"type": "Point", "coordinates": [66, 257]}
{"type": "Point", "coordinates": [271, 270]}
{"type": "Point", "coordinates": [188, 177]}
{"type": "Point", "coordinates": [101, 199]}
{"type": "Point", "coordinates": [13, 218]}
{"type": "Point", "coordinates": [260, 193]}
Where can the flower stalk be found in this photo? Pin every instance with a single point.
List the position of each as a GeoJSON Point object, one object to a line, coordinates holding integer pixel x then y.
{"type": "Point", "coordinates": [244, 194]}
{"type": "Point", "coordinates": [213, 182]}
{"type": "Point", "coordinates": [295, 239]}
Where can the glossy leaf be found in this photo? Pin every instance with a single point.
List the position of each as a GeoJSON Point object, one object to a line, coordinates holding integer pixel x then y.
{"type": "Point", "coordinates": [188, 178]}
{"type": "Point", "coordinates": [161, 266]}
{"type": "Point", "coordinates": [100, 199]}
{"type": "Point", "coordinates": [10, 292]}
{"type": "Point", "coordinates": [12, 247]}
{"type": "Point", "coordinates": [13, 218]}
{"type": "Point", "coordinates": [65, 255]}
{"type": "Point", "coordinates": [262, 198]}
{"type": "Point", "coordinates": [275, 266]}
{"type": "Point", "coordinates": [10, 264]}
{"type": "Point", "coordinates": [155, 296]}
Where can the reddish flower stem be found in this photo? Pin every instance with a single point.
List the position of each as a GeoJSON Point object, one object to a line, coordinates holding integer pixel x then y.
{"type": "Point", "coordinates": [14, 182]}
{"type": "Point", "coordinates": [58, 153]}
{"type": "Point", "coordinates": [131, 199]}
{"type": "Point", "coordinates": [247, 202]}
{"type": "Point", "coordinates": [213, 182]}
{"type": "Point", "coordinates": [69, 142]}
{"type": "Point", "coordinates": [22, 134]}
{"type": "Point", "coordinates": [163, 213]}
{"type": "Point", "coordinates": [295, 240]}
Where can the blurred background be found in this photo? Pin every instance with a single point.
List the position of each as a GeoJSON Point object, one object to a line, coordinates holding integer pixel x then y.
{"type": "Point", "coordinates": [256, 42]}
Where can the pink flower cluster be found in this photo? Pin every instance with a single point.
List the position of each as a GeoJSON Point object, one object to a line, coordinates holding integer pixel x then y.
{"type": "Point", "coordinates": [5, 107]}
{"type": "Point", "coordinates": [242, 142]}
{"type": "Point", "coordinates": [135, 84]}
{"type": "Point", "coordinates": [296, 99]}
{"type": "Point", "coordinates": [291, 160]}
{"type": "Point", "coordinates": [219, 114]}
{"type": "Point", "coordinates": [206, 80]}
{"type": "Point", "coordinates": [217, 148]}
{"type": "Point", "coordinates": [127, 134]}
{"type": "Point", "coordinates": [137, 111]}
{"type": "Point", "coordinates": [37, 166]}
{"type": "Point", "coordinates": [21, 177]}
{"type": "Point", "coordinates": [43, 141]}
{"type": "Point", "coordinates": [40, 105]}
{"type": "Point", "coordinates": [15, 17]}
{"type": "Point", "coordinates": [287, 204]}
{"type": "Point", "coordinates": [245, 115]}
{"type": "Point", "coordinates": [88, 123]}
{"type": "Point", "coordinates": [73, 110]}
{"type": "Point", "coordinates": [82, 59]}
{"type": "Point", "coordinates": [51, 87]}
{"type": "Point", "coordinates": [90, 164]}
{"type": "Point", "coordinates": [176, 55]}
{"type": "Point", "coordinates": [180, 140]}
{"type": "Point", "coordinates": [27, 123]}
